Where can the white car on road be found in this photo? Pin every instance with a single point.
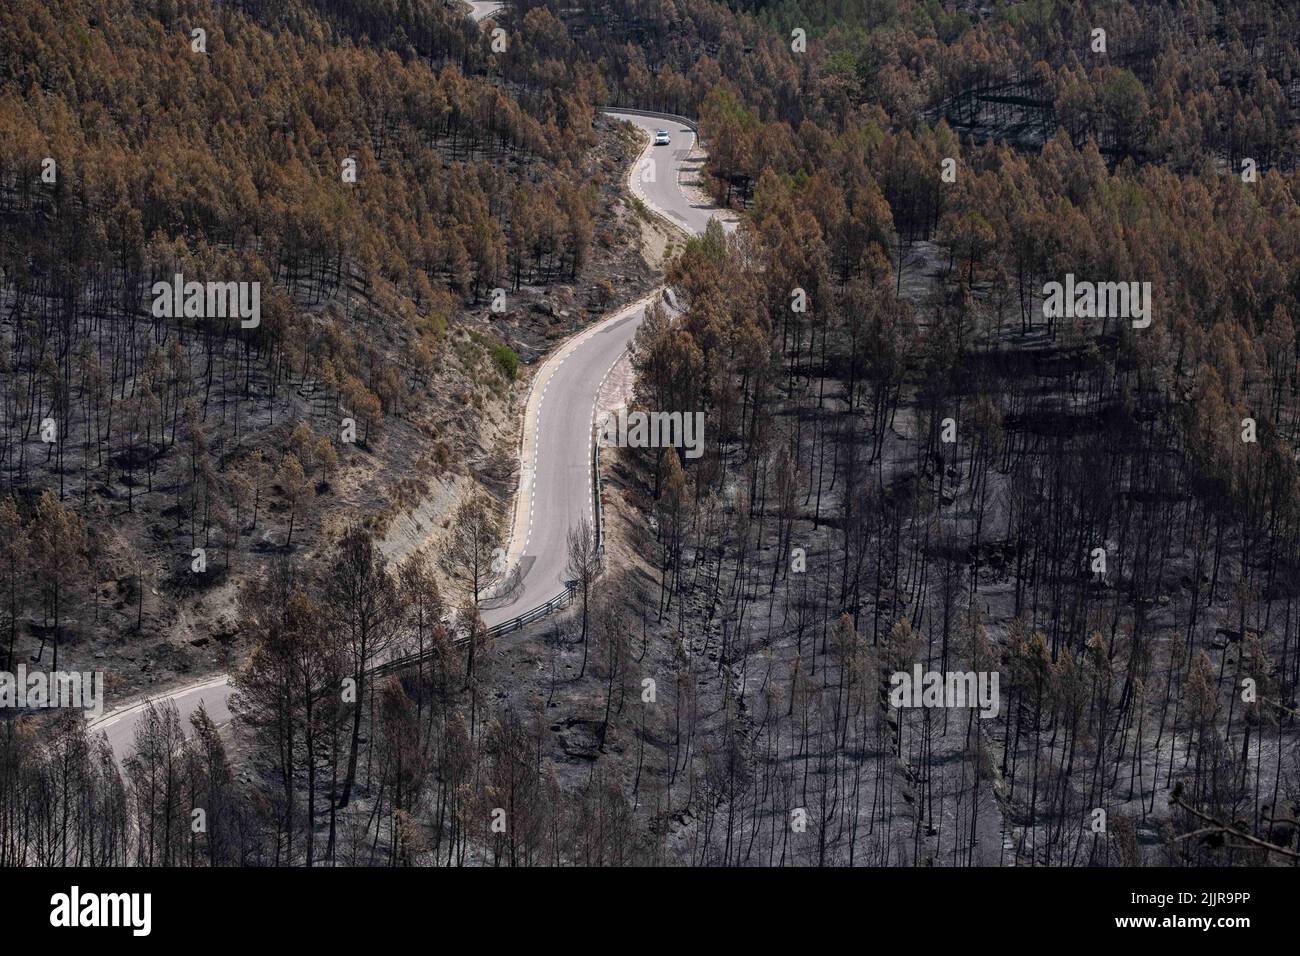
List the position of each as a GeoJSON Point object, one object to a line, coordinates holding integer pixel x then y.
{"type": "Point", "coordinates": [661, 137]}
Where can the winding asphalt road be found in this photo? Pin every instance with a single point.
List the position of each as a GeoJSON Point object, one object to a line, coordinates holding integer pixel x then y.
{"type": "Point", "coordinates": [555, 491]}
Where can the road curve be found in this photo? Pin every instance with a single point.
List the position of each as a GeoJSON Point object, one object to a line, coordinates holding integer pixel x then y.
{"type": "Point", "coordinates": [120, 724]}
{"type": "Point", "coordinates": [669, 178]}
{"type": "Point", "coordinates": [555, 490]}
{"type": "Point", "coordinates": [480, 10]}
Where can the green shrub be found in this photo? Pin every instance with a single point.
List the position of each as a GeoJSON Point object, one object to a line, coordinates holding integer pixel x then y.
{"type": "Point", "coordinates": [507, 361]}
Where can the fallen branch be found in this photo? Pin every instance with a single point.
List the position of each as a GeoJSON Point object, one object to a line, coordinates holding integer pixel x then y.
{"type": "Point", "coordinates": [1222, 827]}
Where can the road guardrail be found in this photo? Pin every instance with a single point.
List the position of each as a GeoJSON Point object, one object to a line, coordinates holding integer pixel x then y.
{"type": "Point", "coordinates": [652, 114]}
